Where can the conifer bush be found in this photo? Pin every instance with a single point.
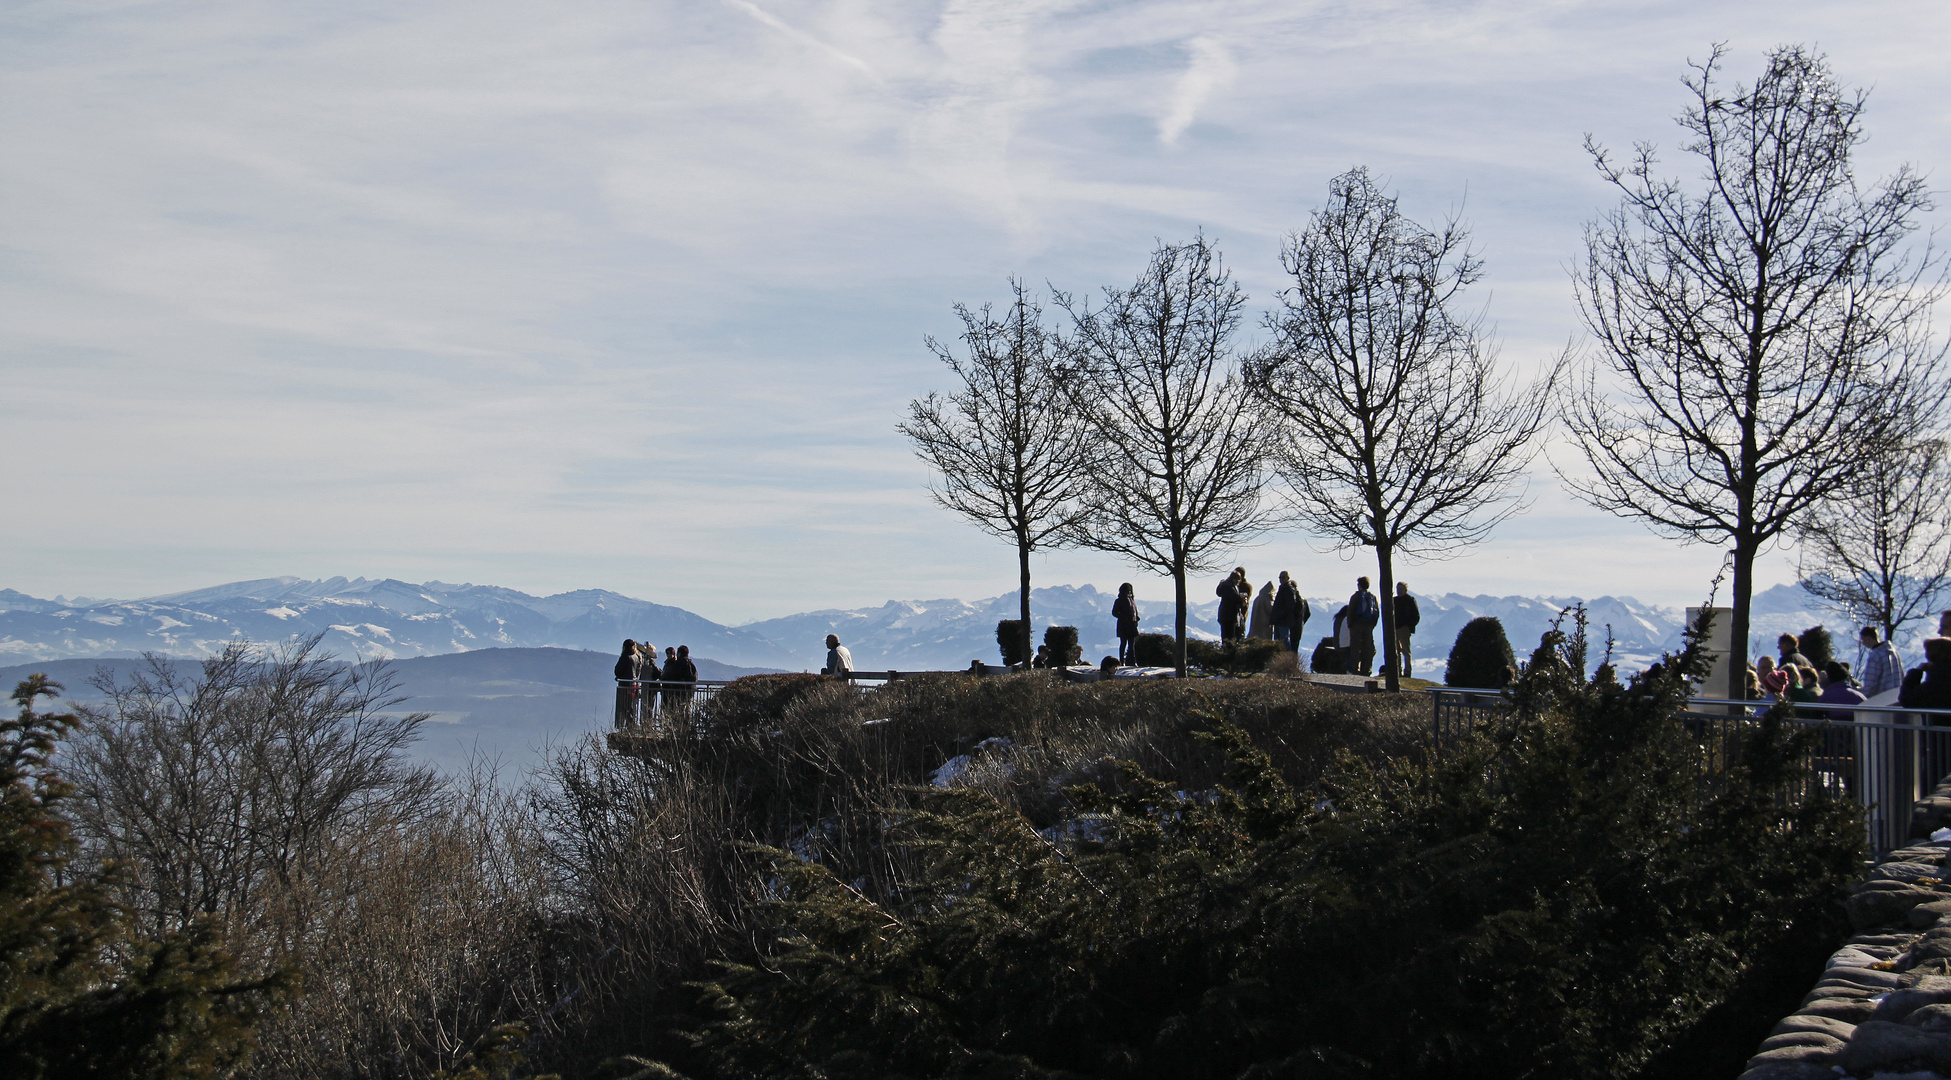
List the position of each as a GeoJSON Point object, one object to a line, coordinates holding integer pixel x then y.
{"type": "Point", "coordinates": [1155, 650]}
{"type": "Point", "coordinates": [1818, 645]}
{"type": "Point", "coordinates": [1063, 646]}
{"type": "Point", "coordinates": [1012, 637]}
{"type": "Point", "coordinates": [1480, 655]}
{"type": "Point", "coordinates": [1557, 896]}
{"type": "Point", "coordinates": [1243, 657]}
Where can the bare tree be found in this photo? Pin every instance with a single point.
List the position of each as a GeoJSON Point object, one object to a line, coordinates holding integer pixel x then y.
{"type": "Point", "coordinates": [1397, 433]}
{"type": "Point", "coordinates": [1012, 457]}
{"type": "Point", "coordinates": [1883, 553]}
{"type": "Point", "coordinates": [1768, 335]}
{"type": "Point", "coordinates": [1155, 376]}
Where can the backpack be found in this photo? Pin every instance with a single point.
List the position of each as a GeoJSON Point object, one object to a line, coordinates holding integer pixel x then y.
{"type": "Point", "coordinates": [1366, 609]}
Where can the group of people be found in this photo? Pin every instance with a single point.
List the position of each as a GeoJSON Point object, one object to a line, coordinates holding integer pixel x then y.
{"type": "Point", "coordinates": [1792, 677]}
{"type": "Point", "coordinates": [637, 665]}
{"type": "Point", "coordinates": [1351, 648]}
{"type": "Point", "coordinates": [1281, 613]}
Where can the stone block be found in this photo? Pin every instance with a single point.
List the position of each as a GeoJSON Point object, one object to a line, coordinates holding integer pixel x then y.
{"type": "Point", "coordinates": [1813, 1055]}
{"type": "Point", "coordinates": [1906, 871]}
{"type": "Point", "coordinates": [1898, 1004]}
{"type": "Point", "coordinates": [1827, 1025]}
{"type": "Point", "coordinates": [1881, 1045]}
{"type": "Point", "coordinates": [1789, 1070]}
{"type": "Point", "coordinates": [1800, 1038]}
{"type": "Point", "coordinates": [1925, 916]}
{"type": "Point", "coordinates": [1856, 976]}
{"type": "Point", "coordinates": [1927, 1017]}
{"type": "Point", "coordinates": [1848, 1010]}
{"type": "Point", "coordinates": [1873, 906]}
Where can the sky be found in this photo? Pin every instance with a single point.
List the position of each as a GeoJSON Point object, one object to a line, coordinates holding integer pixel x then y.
{"type": "Point", "coordinates": [631, 295]}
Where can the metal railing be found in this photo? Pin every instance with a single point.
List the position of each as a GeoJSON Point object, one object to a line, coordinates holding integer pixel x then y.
{"type": "Point", "coordinates": [1886, 758]}
{"type": "Point", "coordinates": [649, 703]}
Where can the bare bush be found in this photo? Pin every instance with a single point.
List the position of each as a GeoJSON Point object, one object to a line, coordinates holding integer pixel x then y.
{"type": "Point", "coordinates": [271, 792]}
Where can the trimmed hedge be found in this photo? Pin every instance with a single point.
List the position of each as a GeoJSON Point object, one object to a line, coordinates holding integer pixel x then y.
{"type": "Point", "coordinates": [1480, 655]}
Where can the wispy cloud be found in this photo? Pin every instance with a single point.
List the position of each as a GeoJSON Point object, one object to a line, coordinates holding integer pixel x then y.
{"type": "Point", "coordinates": [802, 36]}
{"type": "Point", "coordinates": [1210, 69]}
{"type": "Point", "coordinates": [380, 292]}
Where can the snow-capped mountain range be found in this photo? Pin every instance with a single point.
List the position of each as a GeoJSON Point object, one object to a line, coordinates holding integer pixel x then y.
{"type": "Point", "coordinates": [367, 619]}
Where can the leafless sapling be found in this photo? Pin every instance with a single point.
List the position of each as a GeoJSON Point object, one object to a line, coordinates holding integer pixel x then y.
{"type": "Point", "coordinates": [1882, 553]}
{"type": "Point", "coordinates": [1156, 378]}
{"type": "Point", "coordinates": [1395, 430]}
{"type": "Point", "coordinates": [1011, 454]}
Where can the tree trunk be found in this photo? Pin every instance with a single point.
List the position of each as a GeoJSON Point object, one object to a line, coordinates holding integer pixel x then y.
{"type": "Point", "coordinates": [1737, 647]}
{"type": "Point", "coordinates": [1023, 563]}
{"type": "Point", "coordinates": [1385, 567]}
{"type": "Point", "coordinates": [1179, 615]}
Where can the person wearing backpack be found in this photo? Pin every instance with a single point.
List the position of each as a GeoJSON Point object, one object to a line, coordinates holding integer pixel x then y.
{"type": "Point", "coordinates": [1364, 611]}
{"type": "Point", "coordinates": [1289, 614]}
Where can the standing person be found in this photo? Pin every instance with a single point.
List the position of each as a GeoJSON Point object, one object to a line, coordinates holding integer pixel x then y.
{"type": "Point", "coordinates": [1233, 595]}
{"type": "Point", "coordinates": [838, 660]}
{"type": "Point", "coordinates": [1364, 611]}
{"type": "Point", "coordinates": [681, 670]}
{"type": "Point", "coordinates": [1260, 623]}
{"type": "Point", "coordinates": [1125, 610]}
{"type": "Point", "coordinates": [628, 667]}
{"type": "Point", "coordinates": [1791, 649]}
{"type": "Point", "coordinates": [648, 672]}
{"type": "Point", "coordinates": [1407, 616]}
{"type": "Point", "coordinates": [1928, 686]}
{"type": "Point", "coordinates": [668, 696]}
{"type": "Point", "coordinates": [1289, 613]}
{"type": "Point", "coordinates": [1883, 669]}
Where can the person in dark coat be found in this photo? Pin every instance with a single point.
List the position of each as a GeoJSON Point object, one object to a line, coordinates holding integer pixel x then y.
{"type": "Point", "coordinates": [648, 672]}
{"type": "Point", "coordinates": [1289, 614]}
{"type": "Point", "coordinates": [1125, 610]}
{"type": "Point", "coordinates": [1364, 611]}
{"type": "Point", "coordinates": [1928, 685]}
{"type": "Point", "coordinates": [629, 667]}
{"type": "Point", "coordinates": [680, 669]}
{"type": "Point", "coordinates": [1407, 617]}
{"type": "Point", "coordinates": [1234, 594]}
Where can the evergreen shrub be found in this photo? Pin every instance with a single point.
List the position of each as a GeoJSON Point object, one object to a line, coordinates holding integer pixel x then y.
{"type": "Point", "coordinates": [1243, 657]}
{"type": "Point", "coordinates": [1480, 655]}
{"type": "Point", "coordinates": [1555, 896]}
{"type": "Point", "coordinates": [1013, 637]}
{"type": "Point", "coordinates": [1064, 649]}
{"type": "Point", "coordinates": [1155, 650]}
{"type": "Point", "coordinates": [1818, 646]}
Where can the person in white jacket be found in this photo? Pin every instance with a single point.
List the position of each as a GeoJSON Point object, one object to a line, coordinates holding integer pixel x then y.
{"type": "Point", "coordinates": [838, 660]}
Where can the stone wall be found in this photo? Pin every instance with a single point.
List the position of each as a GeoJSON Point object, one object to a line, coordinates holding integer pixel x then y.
{"type": "Point", "coordinates": [1883, 1004]}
